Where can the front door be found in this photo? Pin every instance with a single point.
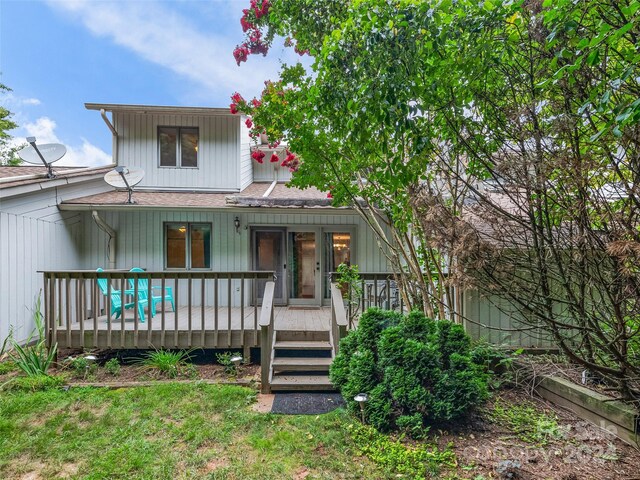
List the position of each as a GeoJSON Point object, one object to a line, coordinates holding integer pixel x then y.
{"type": "Point", "coordinates": [303, 266]}
{"type": "Point", "coordinates": [269, 255]}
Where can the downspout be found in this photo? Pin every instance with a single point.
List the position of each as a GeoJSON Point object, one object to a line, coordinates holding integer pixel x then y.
{"type": "Point", "coordinates": [114, 132]}
{"type": "Point", "coordinates": [111, 244]}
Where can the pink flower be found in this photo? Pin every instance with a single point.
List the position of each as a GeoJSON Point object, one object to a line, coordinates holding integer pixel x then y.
{"type": "Point", "coordinates": [255, 102]}
{"type": "Point", "coordinates": [241, 53]}
{"type": "Point", "coordinates": [329, 195]}
{"type": "Point", "coordinates": [246, 24]}
{"type": "Point", "coordinates": [258, 156]}
{"type": "Point", "coordinates": [248, 123]}
{"type": "Point", "coordinates": [274, 158]}
{"type": "Point", "coordinates": [234, 108]}
{"type": "Point", "coordinates": [237, 98]}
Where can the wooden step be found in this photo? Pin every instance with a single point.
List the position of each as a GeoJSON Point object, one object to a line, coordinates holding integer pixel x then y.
{"type": "Point", "coordinates": [302, 335]}
{"type": "Point", "coordinates": [301, 382]}
{"type": "Point", "coordinates": [301, 345]}
{"type": "Point", "coordinates": [303, 364]}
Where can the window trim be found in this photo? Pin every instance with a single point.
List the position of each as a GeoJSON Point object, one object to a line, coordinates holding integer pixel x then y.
{"type": "Point", "coordinates": [178, 147]}
{"type": "Point", "coordinates": [188, 267]}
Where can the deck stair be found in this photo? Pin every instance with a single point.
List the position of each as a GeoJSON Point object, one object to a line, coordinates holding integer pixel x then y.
{"type": "Point", "coordinates": [300, 361]}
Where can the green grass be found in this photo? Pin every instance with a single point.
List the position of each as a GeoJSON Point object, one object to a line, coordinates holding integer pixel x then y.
{"type": "Point", "coordinates": [173, 431]}
{"type": "Point", "coordinates": [165, 363]}
{"type": "Point", "coordinates": [529, 423]}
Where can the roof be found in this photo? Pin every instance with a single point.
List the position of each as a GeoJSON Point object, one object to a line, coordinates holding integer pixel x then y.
{"type": "Point", "coordinates": [259, 194]}
{"type": "Point", "coordinates": [159, 109]}
{"type": "Point", "coordinates": [32, 174]}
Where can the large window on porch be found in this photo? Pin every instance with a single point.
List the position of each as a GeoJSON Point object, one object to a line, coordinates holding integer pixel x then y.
{"type": "Point", "coordinates": [187, 245]}
{"type": "Point", "coordinates": [337, 247]}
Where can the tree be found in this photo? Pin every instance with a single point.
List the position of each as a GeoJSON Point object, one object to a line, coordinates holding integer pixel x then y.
{"type": "Point", "coordinates": [491, 145]}
{"type": "Point", "coordinates": [8, 154]}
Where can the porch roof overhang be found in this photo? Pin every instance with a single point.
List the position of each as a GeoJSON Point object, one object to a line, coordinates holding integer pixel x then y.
{"type": "Point", "coordinates": [160, 109]}
{"type": "Point", "coordinates": [256, 196]}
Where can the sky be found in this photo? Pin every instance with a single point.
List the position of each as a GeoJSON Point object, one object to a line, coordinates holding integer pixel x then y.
{"type": "Point", "coordinates": [57, 55]}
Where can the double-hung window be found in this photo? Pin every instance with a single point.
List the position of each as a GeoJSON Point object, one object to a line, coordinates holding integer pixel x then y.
{"type": "Point", "coordinates": [178, 146]}
{"type": "Point", "coordinates": [187, 245]}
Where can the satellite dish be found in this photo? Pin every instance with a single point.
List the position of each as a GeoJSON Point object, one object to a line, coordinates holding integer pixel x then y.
{"type": "Point", "coordinates": [125, 177]}
{"type": "Point", "coordinates": [47, 154]}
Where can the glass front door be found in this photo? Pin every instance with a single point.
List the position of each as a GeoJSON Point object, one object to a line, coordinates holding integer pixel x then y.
{"type": "Point", "coordinates": [269, 255]}
{"type": "Point", "coordinates": [303, 267]}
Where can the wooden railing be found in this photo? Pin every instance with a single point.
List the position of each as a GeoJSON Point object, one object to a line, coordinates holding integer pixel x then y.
{"type": "Point", "coordinates": [377, 289]}
{"type": "Point", "coordinates": [339, 321]}
{"type": "Point", "coordinates": [266, 336]}
{"type": "Point", "coordinates": [213, 309]}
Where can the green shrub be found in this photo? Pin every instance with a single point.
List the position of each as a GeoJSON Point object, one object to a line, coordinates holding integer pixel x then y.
{"type": "Point", "coordinates": [164, 362]}
{"type": "Point", "coordinates": [7, 366]}
{"type": "Point", "coordinates": [416, 371]}
{"type": "Point", "coordinates": [34, 359]}
{"type": "Point", "coordinates": [81, 367]}
{"type": "Point", "coordinates": [112, 366]}
{"type": "Point", "coordinates": [224, 359]}
{"type": "Point", "coordinates": [34, 383]}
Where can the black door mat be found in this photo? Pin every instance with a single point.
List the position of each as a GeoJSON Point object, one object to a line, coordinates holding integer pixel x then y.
{"type": "Point", "coordinates": [305, 403]}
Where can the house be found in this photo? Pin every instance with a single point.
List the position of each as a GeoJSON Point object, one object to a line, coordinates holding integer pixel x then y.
{"type": "Point", "coordinates": [219, 233]}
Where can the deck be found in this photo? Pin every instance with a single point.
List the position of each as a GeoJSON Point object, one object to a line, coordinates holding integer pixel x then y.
{"type": "Point", "coordinates": [233, 328]}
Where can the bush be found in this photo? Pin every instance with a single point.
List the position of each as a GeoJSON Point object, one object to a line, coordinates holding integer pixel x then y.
{"type": "Point", "coordinates": [416, 371]}
{"type": "Point", "coordinates": [112, 367]}
{"type": "Point", "coordinates": [34, 359]}
{"type": "Point", "coordinates": [81, 367]}
{"type": "Point", "coordinates": [164, 362]}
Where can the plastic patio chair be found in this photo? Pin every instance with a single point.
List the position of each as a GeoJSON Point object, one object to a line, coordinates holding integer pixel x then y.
{"type": "Point", "coordinates": [156, 296]}
{"type": "Point", "coordinates": [116, 299]}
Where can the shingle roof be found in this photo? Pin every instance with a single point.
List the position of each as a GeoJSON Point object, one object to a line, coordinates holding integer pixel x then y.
{"type": "Point", "coordinates": [29, 174]}
{"type": "Point", "coordinates": [253, 195]}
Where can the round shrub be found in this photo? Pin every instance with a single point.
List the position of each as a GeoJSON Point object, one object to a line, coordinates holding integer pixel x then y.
{"type": "Point", "coordinates": [418, 372]}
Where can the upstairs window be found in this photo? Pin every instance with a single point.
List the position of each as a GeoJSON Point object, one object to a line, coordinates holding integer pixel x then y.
{"type": "Point", "coordinates": [188, 245]}
{"type": "Point", "coordinates": [178, 147]}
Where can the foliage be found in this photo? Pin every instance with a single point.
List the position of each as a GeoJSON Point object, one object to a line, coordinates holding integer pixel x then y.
{"type": "Point", "coordinates": [7, 366]}
{"type": "Point", "coordinates": [527, 422]}
{"type": "Point", "coordinates": [418, 461]}
{"type": "Point", "coordinates": [33, 383]}
{"type": "Point", "coordinates": [34, 359]}
{"type": "Point", "coordinates": [81, 367]}
{"type": "Point", "coordinates": [8, 154]}
{"type": "Point", "coordinates": [170, 431]}
{"type": "Point", "coordinates": [493, 145]}
{"type": "Point", "coordinates": [416, 371]}
{"type": "Point", "coordinates": [349, 282]}
{"type": "Point", "coordinates": [165, 362]}
{"type": "Point", "coordinates": [224, 359]}
{"type": "Point", "coordinates": [112, 367]}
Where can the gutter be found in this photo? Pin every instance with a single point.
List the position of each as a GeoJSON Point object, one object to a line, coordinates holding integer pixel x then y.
{"type": "Point", "coordinates": [111, 244]}
{"type": "Point", "coordinates": [20, 178]}
{"type": "Point", "coordinates": [114, 132]}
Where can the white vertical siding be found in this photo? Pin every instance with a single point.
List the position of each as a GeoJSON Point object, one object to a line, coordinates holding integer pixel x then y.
{"type": "Point", "coordinates": [219, 147]}
{"type": "Point", "coordinates": [28, 245]}
{"type": "Point", "coordinates": [268, 172]}
{"type": "Point", "coordinates": [246, 162]}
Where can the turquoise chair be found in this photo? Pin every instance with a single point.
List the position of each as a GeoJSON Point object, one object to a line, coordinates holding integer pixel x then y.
{"type": "Point", "coordinates": [116, 299]}
{"type": "Point", "coordinates": [143, 291]}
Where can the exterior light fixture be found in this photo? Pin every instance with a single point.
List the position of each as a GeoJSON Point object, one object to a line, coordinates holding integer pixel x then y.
{"type": "Point", "coordinates": [90, 358]}
{"type": "Point", "coordinates": [361, 398]}
{"type": "Point", "coordinates": [236, 223]}
{"type": "Point", "coordinates": [236, 359]}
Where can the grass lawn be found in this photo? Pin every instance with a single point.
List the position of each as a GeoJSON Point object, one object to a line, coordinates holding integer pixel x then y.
{"type": "Point", "coordinates": [170, 431]}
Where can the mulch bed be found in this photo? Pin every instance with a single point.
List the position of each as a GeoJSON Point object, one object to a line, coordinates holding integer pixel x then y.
{"type": "Point", "coordinates": [584, 451]}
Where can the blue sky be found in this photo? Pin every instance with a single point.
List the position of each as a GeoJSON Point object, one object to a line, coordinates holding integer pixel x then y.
{"type": "Point", "coordinates": [58, 54]}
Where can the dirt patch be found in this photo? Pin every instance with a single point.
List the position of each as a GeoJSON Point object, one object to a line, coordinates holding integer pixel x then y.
{"type": "Point", "coordinates": [301, 474]}
{"type": "Point", "coordinates": [68, 470]}
{"type": "Point", "coordinates": [264, 402]}
{"type": "Point", "coordinates": [214, 464]}
{"type": "Point", "coordinates": [579, 450]}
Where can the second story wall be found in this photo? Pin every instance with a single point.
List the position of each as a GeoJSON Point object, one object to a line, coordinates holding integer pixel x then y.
{"type": "Point", "coordinates": [218, 151]}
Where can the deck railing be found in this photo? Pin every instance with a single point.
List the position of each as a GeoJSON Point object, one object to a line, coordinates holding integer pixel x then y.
{"type": "Point", "coordinates": [213, 309]}
{"type": "Point", "coordinates": [266, 336]}
{"type": "Point", "coordinates": [339, 321]}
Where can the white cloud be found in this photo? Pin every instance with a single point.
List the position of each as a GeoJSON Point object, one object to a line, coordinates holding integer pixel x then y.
{"type": "Point", "coordinates": [164, 37]}
{"type": "Point", "coordinates": [31, 101]}
{"type": "Point", "coordinates": [85, 155]}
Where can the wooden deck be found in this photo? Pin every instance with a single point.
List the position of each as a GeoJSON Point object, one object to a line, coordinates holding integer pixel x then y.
{"type": "Point", "coordinates": [233, 328]}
